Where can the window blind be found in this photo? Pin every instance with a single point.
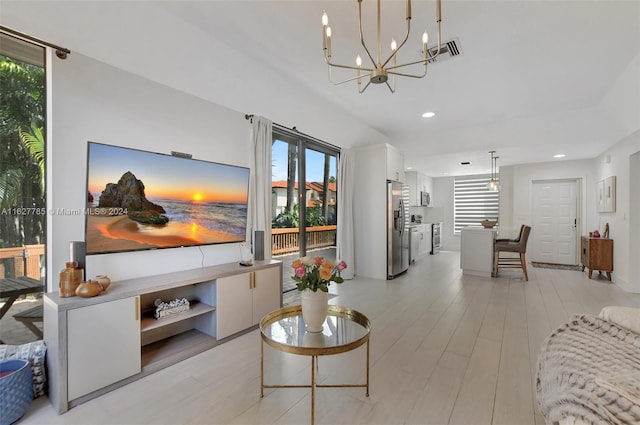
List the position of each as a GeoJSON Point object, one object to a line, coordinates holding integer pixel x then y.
{"type": "Point", "coordinates": [473, 201]}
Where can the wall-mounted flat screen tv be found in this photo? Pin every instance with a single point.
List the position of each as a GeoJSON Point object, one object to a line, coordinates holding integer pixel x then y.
{"type": "Point", "coordinates": [139, 200]}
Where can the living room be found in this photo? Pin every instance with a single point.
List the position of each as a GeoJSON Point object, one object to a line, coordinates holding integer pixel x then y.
{"type": "Point", "coordinates": [117, 92]}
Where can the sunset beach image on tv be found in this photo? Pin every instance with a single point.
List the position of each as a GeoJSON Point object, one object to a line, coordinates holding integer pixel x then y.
{"type": "Point", "coordinates": [138, 200]}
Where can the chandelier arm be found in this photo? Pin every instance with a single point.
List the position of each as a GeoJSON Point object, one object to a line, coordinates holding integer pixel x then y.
{"type": "Point", "coordinates": [393, 90]}
{"type": "Point", "coordinates": [365, 87]}
{"type": "Point", "coordinates": [406, 37]}
{"type": "Point", "coordinates": [424, 61]}
{"type": "Point", "coordinates": [335, 83]}
{"type": "Point", "coordinates": [410, 75]}
{"type": "Point", "coordinates": [421, 61]}
{"type": "Point", "coordinates": [361, 35]}
{"type": "Point", "coordinates": [348, 66]}
{"type": "Point", "coordinates": [439, 35]}
{"type": "Point", "coordinates": [358, 77]}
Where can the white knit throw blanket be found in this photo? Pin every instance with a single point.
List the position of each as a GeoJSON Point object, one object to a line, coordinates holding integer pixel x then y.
{"type": "Point", "coordinates": [589, 368]}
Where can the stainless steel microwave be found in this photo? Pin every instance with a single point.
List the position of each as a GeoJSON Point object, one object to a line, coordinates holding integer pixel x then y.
{"type": "Point", "coordinates": [425, 199]}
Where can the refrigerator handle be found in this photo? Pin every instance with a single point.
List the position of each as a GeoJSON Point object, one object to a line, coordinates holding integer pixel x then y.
{"type": "Point", "coordinates": [402, 217]}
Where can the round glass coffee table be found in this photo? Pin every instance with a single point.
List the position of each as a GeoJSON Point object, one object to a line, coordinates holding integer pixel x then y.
{"type": "Point", "coordinates": [343, 330]}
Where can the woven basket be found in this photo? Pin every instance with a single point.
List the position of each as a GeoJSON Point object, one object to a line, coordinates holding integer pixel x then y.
{"type": "Point", "coordinates": [16, 389]}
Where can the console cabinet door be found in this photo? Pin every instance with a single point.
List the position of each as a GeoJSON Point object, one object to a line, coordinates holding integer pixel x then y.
{"type": "Point", "coordinates": [103, 345]}
{"type": "Point", "coordinates": [233, 304]}
{"type": "Point", "coordinates": [267, 292]}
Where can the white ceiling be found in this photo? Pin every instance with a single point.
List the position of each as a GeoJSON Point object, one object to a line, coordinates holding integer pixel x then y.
{"type": "Point", "coordinates": [529, 84]}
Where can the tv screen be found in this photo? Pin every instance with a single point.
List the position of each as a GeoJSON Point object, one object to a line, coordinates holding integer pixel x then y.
{"type": "Point", "coordinates": [138, 200]}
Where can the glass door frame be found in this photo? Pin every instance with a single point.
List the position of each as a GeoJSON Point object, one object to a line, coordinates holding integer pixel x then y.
{"type": "Point", "coordinates": [302, 143]}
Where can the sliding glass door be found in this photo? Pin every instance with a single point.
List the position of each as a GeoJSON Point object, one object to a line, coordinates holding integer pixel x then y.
{"type": "Point", "coordinates": [304, 197]}
{"type": "Point", "coordinates": [22, 179]}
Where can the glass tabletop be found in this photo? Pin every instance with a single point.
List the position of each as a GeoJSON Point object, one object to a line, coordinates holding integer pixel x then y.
{"type": "Point", "coordinates": [343, 330]}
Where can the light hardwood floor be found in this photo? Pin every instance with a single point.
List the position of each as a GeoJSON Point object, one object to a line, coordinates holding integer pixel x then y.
{"type": "Point", "coordinates": [445, 348]}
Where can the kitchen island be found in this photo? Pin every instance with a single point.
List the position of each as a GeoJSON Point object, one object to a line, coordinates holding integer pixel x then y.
{"type": "Point", "coordinates": [476, 250]}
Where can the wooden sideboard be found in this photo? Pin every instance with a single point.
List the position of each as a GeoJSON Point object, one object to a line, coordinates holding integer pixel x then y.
{"type": "Point", "coordinates": [597, 254]}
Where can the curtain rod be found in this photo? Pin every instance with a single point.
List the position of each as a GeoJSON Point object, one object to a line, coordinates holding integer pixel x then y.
{"type": "Point", "coordinates": [293, 130]}
{"type": "Point", "coordinates": [61, 52]}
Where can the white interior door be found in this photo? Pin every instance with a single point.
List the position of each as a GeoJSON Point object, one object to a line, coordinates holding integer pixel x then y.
{"type": "Point", "coordinates": [554, 219]}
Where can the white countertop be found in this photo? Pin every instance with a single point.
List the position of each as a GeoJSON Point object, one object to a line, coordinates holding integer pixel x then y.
{"type": "Point", "coordinates": [478, 229]}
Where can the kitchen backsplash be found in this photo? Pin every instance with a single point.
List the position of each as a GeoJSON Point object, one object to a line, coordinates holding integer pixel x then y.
{"type": "Point", "coordinates": [429, 214]}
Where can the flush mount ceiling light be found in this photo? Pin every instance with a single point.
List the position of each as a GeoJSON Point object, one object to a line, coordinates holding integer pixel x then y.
{"type": "Point", "coordinates": [381, 69]}
{"type": "Point", "coordinates": [428, 115]}
{"type": "Point", "coordinates": [493, 185]}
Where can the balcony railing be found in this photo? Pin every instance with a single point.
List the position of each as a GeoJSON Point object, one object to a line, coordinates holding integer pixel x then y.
{"type": "Point", "coordinates": [284, 241]}
{"type": "Point", "coordinates": [22, 261]}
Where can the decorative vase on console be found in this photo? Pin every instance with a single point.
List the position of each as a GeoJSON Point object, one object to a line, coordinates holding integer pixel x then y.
{"type": "Point", "coordinates": [313, 277]}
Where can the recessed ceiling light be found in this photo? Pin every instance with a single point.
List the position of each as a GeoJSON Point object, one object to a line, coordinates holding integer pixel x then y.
{"type": "Point", "coordinates": [409, 168]}
{"type": "Point", "coordinates": [428, 114]}
{"type": "Point", "coordinates": [560, 155]}
{"type": "Point", "coordinates": [446, 174]}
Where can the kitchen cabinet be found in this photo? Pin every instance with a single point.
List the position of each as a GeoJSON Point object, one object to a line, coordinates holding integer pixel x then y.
{"type": "Point", "coordinates": [244, 299]}
{"type": "Point", "coordinates": [395, 164]}
{"type": "Point", "coordinates": [597, 254]}
{"type": "Point", "coordinates": [103, 345]}
{"type": "Point", "coordinates": [424, 241]}
{"type": "Point", "coordinates": [418, 182]}
{"type": "Point", "coordinates": [414, 181]}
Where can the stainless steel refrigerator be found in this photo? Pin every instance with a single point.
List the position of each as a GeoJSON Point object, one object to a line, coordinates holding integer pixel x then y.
{"type": "Point", "coordinates": [397, 228]}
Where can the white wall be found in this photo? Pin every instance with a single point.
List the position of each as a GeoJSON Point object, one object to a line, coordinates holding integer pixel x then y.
{"type": "Point", "coordinates": [93, 101]}
{"type": "Point", "coordinates": [370, 213]}
{"type": "Point", "coordinates": [624, 224]}
{"type": "Point", "coordinates": [515, 195]}
{"type": "Point", "coordinates": [516, 181]}
{"type": "Point", "coordinates": [443, 201]}
{"type": "Point", "coordinates": [634, 221]}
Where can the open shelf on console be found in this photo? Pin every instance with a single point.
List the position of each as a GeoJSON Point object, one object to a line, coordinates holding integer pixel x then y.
{"type": "Point", "coordinates": [168, 351]}
{"type": "Point", "coordinates": [149, 323]}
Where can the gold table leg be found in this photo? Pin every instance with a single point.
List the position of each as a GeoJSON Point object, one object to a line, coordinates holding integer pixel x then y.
{"type": "Point", "coordinates": [313, 385]}
{"type": "Point", "coordinates": [314, 361]}
{"type": "Point", "coordinates": [367, 394]}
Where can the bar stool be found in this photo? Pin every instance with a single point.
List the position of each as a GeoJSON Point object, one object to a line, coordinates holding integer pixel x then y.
{"type": "Point", "coordinates": [511, 246]}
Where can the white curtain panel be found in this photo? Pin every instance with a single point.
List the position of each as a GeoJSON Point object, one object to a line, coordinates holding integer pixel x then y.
{"type": "Point", "coordinates": [345, 239]}
{"type": "Point", "coordinates": [260, 182]}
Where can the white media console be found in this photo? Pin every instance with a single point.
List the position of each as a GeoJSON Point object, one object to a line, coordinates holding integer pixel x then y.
{"type": "Point", "coordinates": [95, 345]}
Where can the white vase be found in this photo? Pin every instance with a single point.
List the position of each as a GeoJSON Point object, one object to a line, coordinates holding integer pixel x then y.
{"type": "Point", "coordinates": [314, 309]}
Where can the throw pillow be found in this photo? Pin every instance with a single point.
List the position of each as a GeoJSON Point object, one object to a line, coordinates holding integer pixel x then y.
{"type": "Point", "coordinates": [627, 317]}
{"type": "Point", "coordinates": [34, 353]}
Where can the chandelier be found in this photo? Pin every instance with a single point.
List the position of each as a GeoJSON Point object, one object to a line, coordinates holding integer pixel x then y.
{"type": "Point", "coordinates": [380, 68]}
{"type": "Point", "coordinates": [493, 184]}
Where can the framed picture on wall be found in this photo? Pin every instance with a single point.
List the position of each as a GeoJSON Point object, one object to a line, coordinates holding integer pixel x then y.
{"type": "Point", "coordinates": [609, 194]}
{"type": "Point", "coordinates": [600, 196]}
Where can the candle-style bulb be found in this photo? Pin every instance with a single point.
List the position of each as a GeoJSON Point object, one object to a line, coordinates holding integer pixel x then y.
{"type": "Point", "coordinates": [358, 61]}
{"type": "Point", "coordinates": [425, 38]}
{"type": "Point", "coordinates": [325, 19]}
{"type": "Point", "coordinates": [328, 32]}
{"type": "Point", "coordinates": [394, 45]}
